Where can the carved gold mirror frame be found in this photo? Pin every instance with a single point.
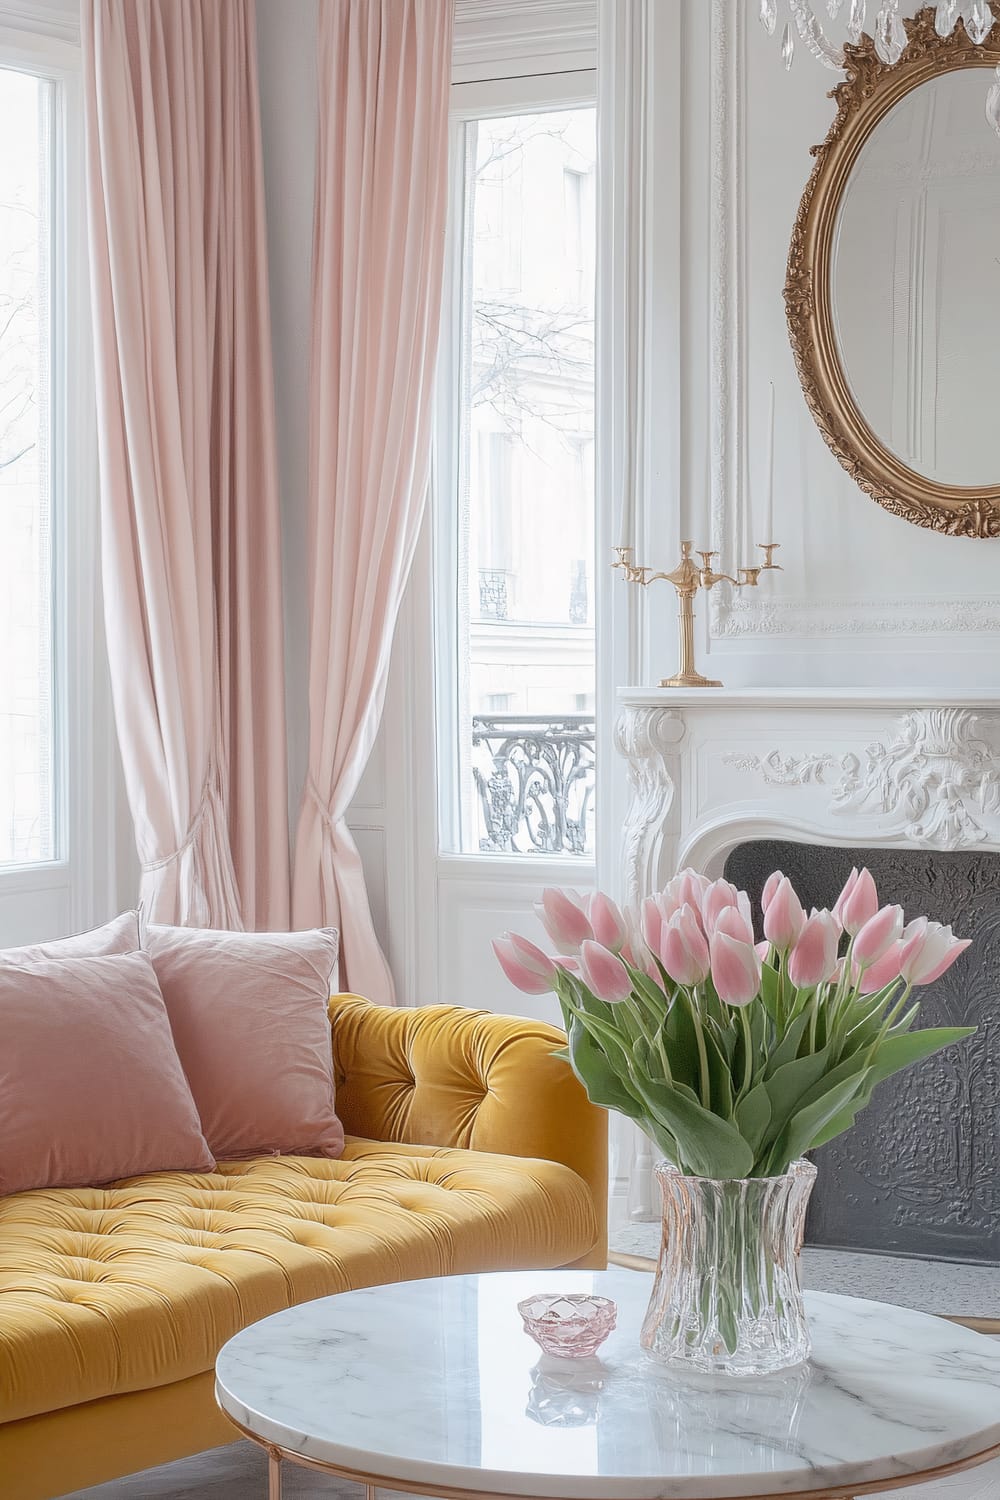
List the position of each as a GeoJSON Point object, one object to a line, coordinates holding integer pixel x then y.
{"type": "Point", "coordinates": [870, 90]}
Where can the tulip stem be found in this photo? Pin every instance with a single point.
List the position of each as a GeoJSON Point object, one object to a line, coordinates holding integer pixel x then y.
{"type": "Point", "coordinates": [747, 1053]}
{"type": "Point", "coordinates": [706, 1086]}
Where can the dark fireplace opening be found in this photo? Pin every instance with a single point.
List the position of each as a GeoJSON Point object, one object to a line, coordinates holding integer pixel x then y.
{"type": "Point", "coordinates": [919, 1173]}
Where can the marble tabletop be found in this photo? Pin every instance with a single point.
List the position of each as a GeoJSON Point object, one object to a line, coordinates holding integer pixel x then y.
{"type": "Point", "coordinates": [435, 1383]}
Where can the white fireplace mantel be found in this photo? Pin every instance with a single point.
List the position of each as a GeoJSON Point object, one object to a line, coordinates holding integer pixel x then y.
{"type": "Point", "coordinates": [710, 769]}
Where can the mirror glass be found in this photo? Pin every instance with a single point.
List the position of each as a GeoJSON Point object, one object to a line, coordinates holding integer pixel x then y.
{"type": "Point", "coordinates": [915, 274]}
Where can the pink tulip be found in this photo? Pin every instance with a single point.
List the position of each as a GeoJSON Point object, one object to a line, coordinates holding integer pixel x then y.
{"type": "Point", "coordinates": [770, 886]}
{"type": "Point", "coordinates": [884, 971]}
{"type": "Point", "coordinates": [686, 889]}
{"type": "Point", "coordinates": [735, 924]}
{"type": "Point", "coordinates": [784, 919]}
{"type": "Point", "coordinates": [526, 966]}
{"type": "Point", "coordinates": [721, 896]}
{"type": "Point", "coordinates": [530, 956]}
{"type": "Point", "coordinates": [603, 972]}
{"type": "Point", "coordinates": [928, 949]}
{"type": "Point", "coordinates": [636, 952]}
{"type": "Point", "coordinates": [735, 969]}
{"type": "Point", "coordinates": [813, 959]}
{"type": "Point", "coordinates": [877, 936]}
{"type": "Point", "coordinates": [683, 949]}
{"type": "Point", "coordinates": [607, 921]}
{"type": "Point", "coordinates": [857, 902]}
{"type": "Point", "coordinates": [652, 922]}
{"type": "Point", "coordinates": [564, 920]}
{"type": "Point", "coordinates": [571, 965]}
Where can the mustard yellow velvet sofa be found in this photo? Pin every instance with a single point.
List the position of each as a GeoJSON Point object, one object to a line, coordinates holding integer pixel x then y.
{"type": "Point", "coordinates": [470, 1148]}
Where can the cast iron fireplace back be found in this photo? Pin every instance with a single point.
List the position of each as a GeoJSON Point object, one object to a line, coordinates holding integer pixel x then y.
{"type": "Point", "coordinates": [919, 1174]}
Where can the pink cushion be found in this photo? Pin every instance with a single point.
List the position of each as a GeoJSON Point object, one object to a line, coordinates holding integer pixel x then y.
{"type": "Point", "coordinates": [120, 935]}
{"type": "Point", "coordinates": [91, 1087]}
{"type": "Point", "coordinates": [249, 1016]}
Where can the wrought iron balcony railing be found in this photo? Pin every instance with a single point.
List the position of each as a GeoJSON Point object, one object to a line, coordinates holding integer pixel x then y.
{"type": "Point", "coordinates": [534, 778]}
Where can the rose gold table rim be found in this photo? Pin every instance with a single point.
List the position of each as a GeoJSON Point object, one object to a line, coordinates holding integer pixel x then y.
{"type": "Point", "coordinates": [276, 1455]}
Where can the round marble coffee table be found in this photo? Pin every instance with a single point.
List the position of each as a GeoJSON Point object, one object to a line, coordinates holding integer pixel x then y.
{"type": "Point", "coordinates": [433, 1387]}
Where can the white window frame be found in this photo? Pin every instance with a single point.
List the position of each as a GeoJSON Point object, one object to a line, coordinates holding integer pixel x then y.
{"type": "Point", "coordinates": [77, 888]}
{"type": "Point", "coordinates": [469, 101]}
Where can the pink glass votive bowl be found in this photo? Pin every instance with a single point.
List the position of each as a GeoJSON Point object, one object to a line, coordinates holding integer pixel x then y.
{"type": "Point", "coordinates": [571, 1325]}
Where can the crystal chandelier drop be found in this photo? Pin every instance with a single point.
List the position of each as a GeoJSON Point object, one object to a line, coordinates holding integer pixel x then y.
{"type": "Point", "coordinates": [806, 23]}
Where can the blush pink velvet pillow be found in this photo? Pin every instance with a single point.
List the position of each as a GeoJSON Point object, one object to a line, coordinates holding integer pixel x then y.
{"type": "Point", "coordinates": [120, 935]}
{"type": "Point", "coordinates": [249, 1012]}
{"type": "Point", "coordinates": [91, 1087]}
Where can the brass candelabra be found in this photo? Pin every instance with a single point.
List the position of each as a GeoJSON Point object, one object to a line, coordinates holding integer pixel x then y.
{"type": "Point", "coordinates": [687, 578]}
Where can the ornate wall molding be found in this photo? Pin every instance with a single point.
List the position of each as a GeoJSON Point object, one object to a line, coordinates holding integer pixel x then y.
{"type": "Point", "coordinates": [649, 739]}
{"type": "Point", "coordinates": [743, 618]}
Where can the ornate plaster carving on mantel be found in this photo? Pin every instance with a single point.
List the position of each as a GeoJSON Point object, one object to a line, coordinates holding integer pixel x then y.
{"type": "Point", "coordinates": [783, 770]}
{"type": "Point", "coordinates": [939, 777]}
{"type": "Point", "coordinates": [649, 740]}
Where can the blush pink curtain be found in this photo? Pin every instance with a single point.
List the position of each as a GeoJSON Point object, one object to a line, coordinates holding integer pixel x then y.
{"type": "Point", "coordinates": [378, 261]}
{"type": "Point", "coordinates": [190, 518]}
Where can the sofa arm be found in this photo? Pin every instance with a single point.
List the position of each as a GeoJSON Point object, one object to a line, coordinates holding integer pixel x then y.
{"type": "Point", "coordinates": [441, 1075]}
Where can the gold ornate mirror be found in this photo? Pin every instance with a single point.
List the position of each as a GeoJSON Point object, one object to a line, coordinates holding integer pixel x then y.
{"type": "Point", "coordinates": [893, 281]}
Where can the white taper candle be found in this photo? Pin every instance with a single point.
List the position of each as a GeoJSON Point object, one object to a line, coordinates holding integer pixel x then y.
{"type": "Point", "coordinates": [768, 534]}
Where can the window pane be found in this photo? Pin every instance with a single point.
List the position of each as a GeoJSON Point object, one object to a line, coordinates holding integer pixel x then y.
{"type": "Point", "coordinates": [526, 625]}
{"type": "Point", "coordinates": [27, 813]}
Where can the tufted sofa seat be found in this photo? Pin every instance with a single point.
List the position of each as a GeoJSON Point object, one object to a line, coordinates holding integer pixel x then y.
{"type": "Point", "coordinates": [471, 1148]}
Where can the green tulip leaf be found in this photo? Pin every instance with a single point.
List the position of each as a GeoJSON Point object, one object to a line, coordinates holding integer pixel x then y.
{"type": "Point", "coordinates": [801, 1131]}
{"type": "Point", "coordinates": [841, 1121]}
{"type": "Point", "coordinates": [709, 1147]}
{"type": "Point", "coordinates": [603, 1084]}
{"type": "Point", "coordinates": [769, 990]}
{"type": "Point", "coordinates": [787, 1049]}
{"type": "Point", "coordinates": [899, 1051]}
{"type": "Point", "coordinates": [753, 1115]}
{"type": "Point", "coordinates": [719, 1077]}
{"type": "Point", "coordinates": [787, 1086]}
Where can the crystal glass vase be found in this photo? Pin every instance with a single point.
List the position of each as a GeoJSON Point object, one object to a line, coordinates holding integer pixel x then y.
{"type": "Point", "coordinates": [727, 1295]}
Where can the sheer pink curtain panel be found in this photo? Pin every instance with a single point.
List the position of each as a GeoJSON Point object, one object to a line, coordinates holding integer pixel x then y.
{"type": "Point", "coordinates": [190, 513]}
{"type": "Point", "coordinates": [381, 189]}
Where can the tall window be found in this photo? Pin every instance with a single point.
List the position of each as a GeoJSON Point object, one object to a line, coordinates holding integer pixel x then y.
{"type": "Point", "coordinates": [519, 580]}
{"type": "Point", "coordinates": [29, 821]}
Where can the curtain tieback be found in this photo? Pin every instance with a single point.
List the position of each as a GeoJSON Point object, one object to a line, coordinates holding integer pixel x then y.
{"type": "Point", "coordinates": [326, 817]}
{"type": "Point", "coordinates": [150, 866]}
